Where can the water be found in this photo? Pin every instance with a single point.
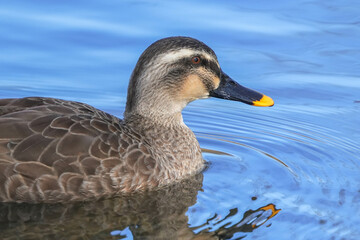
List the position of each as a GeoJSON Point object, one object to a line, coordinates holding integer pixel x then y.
{"type": "Point", "coordinates": [302, 155]}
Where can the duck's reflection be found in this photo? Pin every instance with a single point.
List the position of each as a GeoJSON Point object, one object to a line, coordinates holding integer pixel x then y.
{"type": "Point", "coordinates": [152, 215]}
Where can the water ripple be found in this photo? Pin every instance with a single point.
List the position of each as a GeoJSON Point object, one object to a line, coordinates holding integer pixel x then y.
{"type": "Point", "coordinates": [314, 144]}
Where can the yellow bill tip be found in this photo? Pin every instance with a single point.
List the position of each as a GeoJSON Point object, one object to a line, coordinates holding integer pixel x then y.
{"type": "Point", "coordinates": [265, 101]}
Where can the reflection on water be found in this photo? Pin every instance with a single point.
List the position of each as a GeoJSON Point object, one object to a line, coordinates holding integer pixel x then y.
{"type": "Point", "coordinates": [151, 215]}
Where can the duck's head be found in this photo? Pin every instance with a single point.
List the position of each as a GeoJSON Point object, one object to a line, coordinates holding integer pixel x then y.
{"type": "Point", "coordinates": [174, 71]}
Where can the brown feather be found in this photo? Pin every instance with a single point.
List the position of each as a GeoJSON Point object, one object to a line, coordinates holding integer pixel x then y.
{"type": "Point", "coordinates": [30, 148]}
{"type": "Point", "coordinates": [40, 123]}
{"type": "Point", "coordinates": [32, 170]}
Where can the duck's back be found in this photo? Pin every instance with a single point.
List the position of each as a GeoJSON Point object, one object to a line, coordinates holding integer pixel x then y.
{"type": "Point", "coordinates": [54, 150]}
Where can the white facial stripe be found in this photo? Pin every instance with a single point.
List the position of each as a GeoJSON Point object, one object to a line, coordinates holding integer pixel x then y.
{"type": "Point", "coordinates": [182, 53]}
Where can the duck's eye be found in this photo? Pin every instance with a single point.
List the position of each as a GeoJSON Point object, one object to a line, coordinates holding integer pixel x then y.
{"type": "Point", "coordinates": [196, 60]}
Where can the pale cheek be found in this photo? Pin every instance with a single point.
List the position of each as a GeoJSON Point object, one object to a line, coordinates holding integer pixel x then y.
{"type": "Point", "coordinates": [193, 88]}
{"type": "Point", "coordinates": [216, 81]}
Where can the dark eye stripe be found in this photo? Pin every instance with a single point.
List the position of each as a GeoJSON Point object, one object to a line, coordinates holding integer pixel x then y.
{"type": "Point", "coordinates": [210, 65]}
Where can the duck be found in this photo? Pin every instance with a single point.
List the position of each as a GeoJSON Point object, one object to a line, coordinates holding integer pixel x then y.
{"type": "Point", "coordinates": [54, 150]}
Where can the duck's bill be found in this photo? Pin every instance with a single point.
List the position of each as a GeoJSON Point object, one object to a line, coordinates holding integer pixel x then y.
{"type": "Point", "coordinates": [231, 90]}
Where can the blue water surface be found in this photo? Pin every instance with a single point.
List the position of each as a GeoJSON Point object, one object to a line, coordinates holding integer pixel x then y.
{"type": "Point", "coordinates": [302, 155]}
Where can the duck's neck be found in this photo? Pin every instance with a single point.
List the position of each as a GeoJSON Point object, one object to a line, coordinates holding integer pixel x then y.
{"type": "Point", "coordinates": [172, 142]}
{"type": "Point", "coordinates": [154, 118]}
